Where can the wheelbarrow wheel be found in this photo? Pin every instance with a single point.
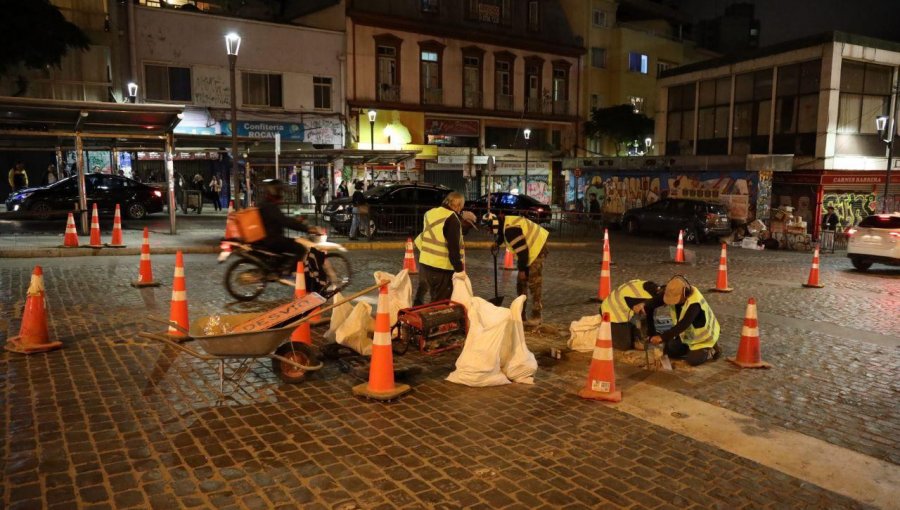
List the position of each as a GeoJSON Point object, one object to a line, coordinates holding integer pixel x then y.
{"type": "Point", "coordinates": [298, 353]}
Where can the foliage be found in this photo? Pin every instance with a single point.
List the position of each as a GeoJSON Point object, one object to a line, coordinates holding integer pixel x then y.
{"type": "Point", "coordinates": [620, 124]}
{"type": "Point", "coordinates": [36, 35]}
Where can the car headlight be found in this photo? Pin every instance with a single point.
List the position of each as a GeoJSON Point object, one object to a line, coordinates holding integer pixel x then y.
{"type": "Point", "coordinates": [22, 196]}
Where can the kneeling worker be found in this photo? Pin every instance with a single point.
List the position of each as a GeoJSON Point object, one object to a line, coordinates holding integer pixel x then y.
{"type": "Point", "coordinates": [528, 241]}
{"type": "Point", "coordinates": [695, 333]}
{"type": "Point", "coordinates": [441, 249]}
{"type": "Point", "coordinates": [625, 302]}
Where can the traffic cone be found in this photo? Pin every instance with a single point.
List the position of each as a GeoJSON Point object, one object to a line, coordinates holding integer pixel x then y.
{"type": "Point", "coordinates": [409, 261]}
{"type": "Point", "coordinates": [381, 384]}
{"type": "Point", "coordinates": [605, 286]}
{"type": "Point", "coordinates": [116, 241]}
{"type": "Point", "coordinates": [33, 334]}
{"type": "Point", "coordinates": [748, 351]}
{"type": "Point", "coordinates": [601, 380]}
{"type": "Point", "coordinates": [508, 260]}
{"type": "Point", "coordinates": [302, 333]}
{"type": "Point", "coordinates": [178, 309]}
{"type": "Point", "coordinates": [95, 229]}
{"type": "Point", "coordinates": [679, 250]}
{"type": "Point", "coordinates": [145, 276]}
{"type": "Point", "coordinates": [231, 230]}
{"type": "Point", "coordinates": [813, 281]}
{"type": "Point", "coordinates": [71, 238]}
{"type": "Point", "coordinates": [722, 280]}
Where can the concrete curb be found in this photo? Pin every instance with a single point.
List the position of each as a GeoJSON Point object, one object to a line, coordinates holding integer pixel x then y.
{"type": "Point", "coordinates": [53, 252]}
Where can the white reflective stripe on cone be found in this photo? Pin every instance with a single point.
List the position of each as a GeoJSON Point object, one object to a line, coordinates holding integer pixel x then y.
{"type": "Point", "coordinates": [815, 266]}
{"type": "Point", "coordinates": [722, 267]}
{"type": "Point", "coordinates": [179, 295]}
{"type": "Point", "coordinates": [603, 353]}
{"type": "Point", "coordinates": [145, 256]}
{"type": "Point", "coordinates": [179, 271]}
{"type": "Point", "coordinates": [750, 332]}
{"type": "Point", "coordinates": [381, 338]}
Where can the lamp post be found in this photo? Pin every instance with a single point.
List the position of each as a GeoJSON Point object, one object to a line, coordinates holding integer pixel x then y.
{"type": "Point", "coordinates": [527, 135]}
{"type": "Point", "coordinates": [132, 91]}
{"type": "Point", "coordinates": [372, 115]}
{"type": "Point", "coordinates": [232, 45]}
{"type": "Point", "coordinates": [885, 124]}
{"type": "Point", "coordinates": [648, 144]}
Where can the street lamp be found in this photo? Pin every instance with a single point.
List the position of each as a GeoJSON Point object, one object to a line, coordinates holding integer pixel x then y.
{"type": "Point", "coordinates": [232, 45]}
{"type": "Point", "coordinates": [648, 143]}
{"type": "Point", "coordinates": [132, 91]}
{"type": "Point", "coordinates": [886, 130]}
{"type": "Point", "coordinates": [372, 114]}
{"type": "Point", "coordinates": [527, 135]}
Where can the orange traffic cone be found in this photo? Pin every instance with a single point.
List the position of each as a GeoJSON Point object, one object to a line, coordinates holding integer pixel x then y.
{"type": "Point", "coordinates": [33, 334]}
{"type": "Point", "coordinates": [302, 333]}
{"type": "Point", "coordinates": [605, 286]}
{"type": "Point", "coordinates": [508, 264]}
{"type": "Point", "coordinates": [601, 380]}
{"type": "Point", "coordinates": [381, 384]}
{"type": "Point", "coordinates": [178, 309]}
{"type": "Point", "coordinates": [409, 261]}
{"type": "Point", "coordinates": [116, 241]}
{"type": "Point", "coordinates": [813, 281]}
{"type": "Point", "coordinates": [145, 276]}
{"type": "Point", "coordinates": [231, 230]}
{"type": "Point", "coordinates": [748, 351]}
{"type": "Point", "coordinates": [71, 239]}
{"type": "Point", "coordinates": [722, 280]}
{"type": "Point", "coordinates": [95, 229]}
{"type": "Point", "coordinates": [679, 250]}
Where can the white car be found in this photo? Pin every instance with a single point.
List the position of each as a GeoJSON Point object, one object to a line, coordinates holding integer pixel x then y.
{"type": "Point", "coordinates": [876, 240]}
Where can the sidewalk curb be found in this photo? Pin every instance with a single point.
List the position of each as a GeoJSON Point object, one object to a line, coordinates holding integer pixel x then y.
{"type": "Point", "coordinates": [54, 252]}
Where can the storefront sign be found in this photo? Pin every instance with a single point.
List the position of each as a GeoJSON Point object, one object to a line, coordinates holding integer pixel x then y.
{"type": "Point", "coordinates": [462, 160]}
{"type": "Point", "coordinates": [179, 156]}
{"type": "Point", "coordinates": [265, 129]}
{"type": "Point", "coordinates": [518, 167]}
{"type": "Point", "coordinates": [857, 179]}
{"type": "Point", "coordinates": [452, 127]}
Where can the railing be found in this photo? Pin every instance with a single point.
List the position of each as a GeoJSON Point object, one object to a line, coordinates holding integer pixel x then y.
{"type": "Point", "coordinates": [560, 107]}
{"type": "Point", "coordinates": [471, 99]}
{"type": "Point", "coordinates": [389, 93]}
{"type": "Point", "coordinates": [534, 104]}
{"type": "Point", "coordinates": [504, 103]}
{"type": "Point", "coordinates": [433, 96]}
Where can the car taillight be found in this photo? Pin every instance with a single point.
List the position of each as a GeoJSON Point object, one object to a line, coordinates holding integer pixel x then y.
{"type": "Point", "coordinates": [157, 193]}
{"type": "Point", "coordinates": [851, 231]}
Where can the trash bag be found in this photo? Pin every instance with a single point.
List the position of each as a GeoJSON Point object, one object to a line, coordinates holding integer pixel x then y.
{"type": "Point", "coordinates": [516, 361]}
{"type": "Point", "coordinates": [584, 333]}
{"type": "Point", "coordinates": [479, 362]}
{"type": "Point", "coordinates": [462, 290]}
{"type": "Point", "coordinates": [399, 291]}
{"type": "Point", "coordinates": [354, 330]}
{"type": "Point", "coordinates": [338, 315]}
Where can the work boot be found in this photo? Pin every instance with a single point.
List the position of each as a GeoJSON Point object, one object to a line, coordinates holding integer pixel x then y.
{"type": "Point", "coordinates": [717, 351]}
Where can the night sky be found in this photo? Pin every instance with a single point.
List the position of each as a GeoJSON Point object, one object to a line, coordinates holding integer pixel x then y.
{"type": "Point", "coordinates": [783, 20]}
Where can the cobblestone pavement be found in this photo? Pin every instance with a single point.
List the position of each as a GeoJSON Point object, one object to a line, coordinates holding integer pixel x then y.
{"type": "Point", "coordinates": [110, 421]}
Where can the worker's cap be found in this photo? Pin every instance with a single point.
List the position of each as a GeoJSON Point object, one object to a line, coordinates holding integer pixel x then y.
{"type": "Point", "coordinates": [676, 289]}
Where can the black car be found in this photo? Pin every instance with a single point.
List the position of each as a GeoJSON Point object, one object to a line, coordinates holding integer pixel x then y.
{"type": "Point", "coordinates": [394, 208]}
{"type": "Point", "coordinates": [509, 203]}
{"type": "Point", "coordinates": [699, 220]}
{"type": "Point", "coordinates": [135, 199]}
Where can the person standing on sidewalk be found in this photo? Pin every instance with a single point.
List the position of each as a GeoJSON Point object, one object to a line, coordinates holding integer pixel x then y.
{"type": "Point", "coordinates": [528, 241]}
{"type": "Point", "coordinates": [215, 189]}
{"type": "Point", "coordinates": [360, 221]}
{"type": "Point", "coordinates": [18, 177]}
{"type": "Point", "coordinates": [440, 248]}
{"type": "Point", "coordinates": [624, 303]}
{"type": "Point", "coordinates": [695, 333]}
{"type": "Point", "coordinates": [319, 193]}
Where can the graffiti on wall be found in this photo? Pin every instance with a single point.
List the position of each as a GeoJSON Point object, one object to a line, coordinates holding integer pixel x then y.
{"type": "Point", "coordinates": [538, 185]}
{"type": "Point", "coordinates": [850, 208]}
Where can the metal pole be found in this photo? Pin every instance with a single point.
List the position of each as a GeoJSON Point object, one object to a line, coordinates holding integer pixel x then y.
{"type": "Point", "coordinates": [247, 198]}
{"type": "Point", "coordinates": [170, 179]}
{"type": "Point", "coordinates": [232, 60]}
{"type": "Point", "coordinates": [890, 160]}
{"type": "Point", "coordinates": [82, 192]}
{"type": "Point", "coordinates": [527, 142]}
{"type": "Point", "coordinates": [372, 135]}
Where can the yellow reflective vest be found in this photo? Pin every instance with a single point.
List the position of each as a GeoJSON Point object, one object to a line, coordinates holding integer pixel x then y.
{"type": "Point", "coordinates": [616, 306]}
{"type": "Point", "coordinates": [534, 234]}
{"type": "Point", "coordinates": [431, 242]}
{"type": "Point", "coordinates": [698, 338]}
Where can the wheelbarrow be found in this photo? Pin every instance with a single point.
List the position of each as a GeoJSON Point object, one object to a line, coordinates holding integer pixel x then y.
{"type": "Point", "coordinates": [291, 361]}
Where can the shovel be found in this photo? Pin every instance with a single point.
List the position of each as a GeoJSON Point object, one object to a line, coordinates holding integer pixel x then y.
{"type": "Point", "coordinates": [497, 300]}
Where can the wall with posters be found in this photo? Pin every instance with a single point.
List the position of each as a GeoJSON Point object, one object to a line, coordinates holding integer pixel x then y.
{"type": "Point", "coordinates": [509, 176]}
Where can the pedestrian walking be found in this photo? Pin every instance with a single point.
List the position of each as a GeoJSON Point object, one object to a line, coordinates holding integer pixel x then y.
{"type": "Point", "coordinates": [528, 241]}
{"type": "Point", "coordinates": [215, 190]}
{"type": "Point", "coordinates": [18, 177]}
{"type": "Point", "coordinates": [360, 221]}
{"type": "Point", "coordinates": [342, 191]}
{"type": "Point", "coordinates": [319, 193]}
{"type": "Point", "coordinates": [694, 335]}
{"type": "Point", "coordinates": [441, 250]}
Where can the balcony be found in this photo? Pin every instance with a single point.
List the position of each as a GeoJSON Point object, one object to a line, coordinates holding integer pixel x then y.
{"type": "Point", "coordinates": [389, 93]}
{"type": "Point", "coordinates": [534, 105]}
{"type": "Point", "coordinates": [471, 99]}
{"type": "Point", "coordinates": [560, 107]}
{"type": "Point", "coordinates": [504, 103]}
{"type": "Point", "coordinates": [433, 96]}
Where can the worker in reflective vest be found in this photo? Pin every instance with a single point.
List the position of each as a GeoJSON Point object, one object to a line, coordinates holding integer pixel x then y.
{"type": "Point", "coordinates": [441, 249]}
{"type": "Point", "coordinates": [528, 241]}
{"type": "Point", "coordinates": [695, 333]}
{"type": "Point", "coordinates": [625, 306]}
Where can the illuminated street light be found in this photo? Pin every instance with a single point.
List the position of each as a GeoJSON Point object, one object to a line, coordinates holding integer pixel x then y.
{"type": "Point", "coordinates": [232, 46]}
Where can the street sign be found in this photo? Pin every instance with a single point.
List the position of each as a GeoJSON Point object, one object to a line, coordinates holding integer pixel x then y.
{"type": "Point", "coordinates": [277, 143]}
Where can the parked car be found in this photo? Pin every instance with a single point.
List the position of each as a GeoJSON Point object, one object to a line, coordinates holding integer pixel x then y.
{"type": "Point", "coordinates": [876, 240]}
{"type": "Point", "coordinates": [394, 208]}
{"type": "Point", "coordinates": [135, 199]}
{"type": "Point", "coordinates": [522, 205]}
{"type": "Point", "coordinates": [699, 220]}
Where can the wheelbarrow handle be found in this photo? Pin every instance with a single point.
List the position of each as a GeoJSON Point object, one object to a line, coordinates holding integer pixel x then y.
{"type": "Point", "coordinates": [172, 324]}
{"type": "Point", "coordinates": [336, 304]}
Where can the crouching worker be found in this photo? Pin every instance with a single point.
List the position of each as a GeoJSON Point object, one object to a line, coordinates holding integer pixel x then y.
{"type": "Point", "coordinates": [528, 241]}
{"type": "Point", "coordinates": [625, 306]}
{"type": "Point", "coordinates": [694, 335]}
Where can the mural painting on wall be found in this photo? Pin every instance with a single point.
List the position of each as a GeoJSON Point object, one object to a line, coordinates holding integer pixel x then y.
{"type": "Point", "coordinates": [538, 186]}
{"type": "Point", "coordinates": [850, 207]}
{"type": "Point", "coordinates": [736, 190]}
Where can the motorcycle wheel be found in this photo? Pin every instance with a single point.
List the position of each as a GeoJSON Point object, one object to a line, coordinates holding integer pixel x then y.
{"type": "Point", "coordinates": [337, 269]}
{"type": "Point", "coordinates": [245, 280]}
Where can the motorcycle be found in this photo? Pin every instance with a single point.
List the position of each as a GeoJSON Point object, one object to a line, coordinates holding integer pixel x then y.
{"type": "Point", "coordinates": [327, 269]}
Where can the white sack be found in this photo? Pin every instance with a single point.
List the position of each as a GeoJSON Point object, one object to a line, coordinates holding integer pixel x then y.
{"type": "Point", "coordinates": [462, 290]}
{"type": "Point", "coordinates": [516, 361]}
{"type": "Point", "coordinates": [338, 315]}
{"type": "Point", "coordinates": [354, 330]}
{"type": "Point", "coordinates": [479, 362]}
{"type": "Point", "coordinates": [399, 291]}
{"type": "Point", "coordinates": [584, 333]}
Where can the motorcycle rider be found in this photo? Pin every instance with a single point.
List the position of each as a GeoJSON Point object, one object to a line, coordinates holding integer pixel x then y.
{"type": "Point", "coordinates": [274, 221]}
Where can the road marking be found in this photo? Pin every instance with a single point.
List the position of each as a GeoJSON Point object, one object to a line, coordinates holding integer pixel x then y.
{"type": "Point", "coordinates": [863, 478]}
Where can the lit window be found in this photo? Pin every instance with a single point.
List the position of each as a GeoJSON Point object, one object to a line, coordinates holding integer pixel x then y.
{"type": "Point", "coordinates": [638, 63]}
{"type": "Point", "coordinates": [429, 56]}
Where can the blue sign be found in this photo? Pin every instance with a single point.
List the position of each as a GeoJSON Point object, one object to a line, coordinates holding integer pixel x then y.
{"type": "Point", "coordinates": [264, 129]}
